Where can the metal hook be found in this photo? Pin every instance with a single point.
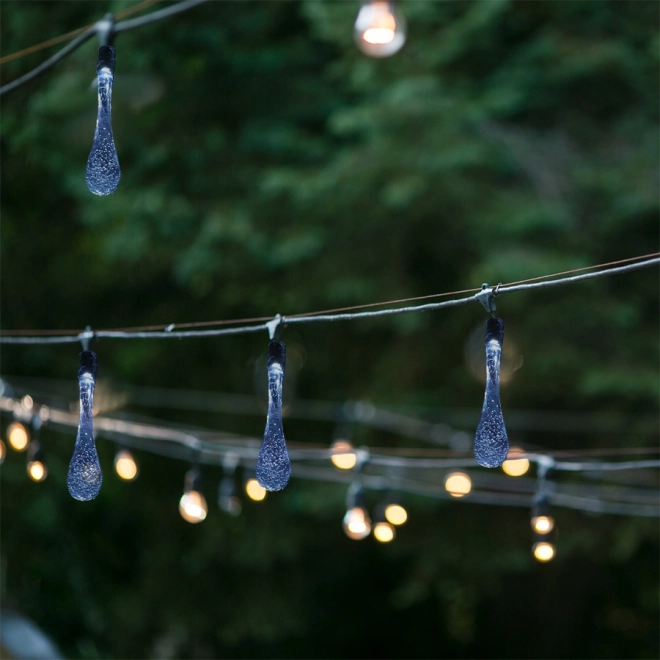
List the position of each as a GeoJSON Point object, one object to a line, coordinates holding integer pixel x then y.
{"type": "Point", "coordinates": [105, 30]}
{"type": "Point", "coordinates": [487, 298]}
{"type": "Point", "coordinates": [86, 338]}
{"type": "Point", "coordinates": [275, 327]}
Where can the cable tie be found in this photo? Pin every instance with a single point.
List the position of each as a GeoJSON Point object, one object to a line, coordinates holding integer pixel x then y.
{"type": "Point", "coordinates": [487, 298]}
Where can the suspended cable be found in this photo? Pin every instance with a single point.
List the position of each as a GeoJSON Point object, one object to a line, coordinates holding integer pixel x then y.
{"type": "Point", "coordinates": [168, 332]}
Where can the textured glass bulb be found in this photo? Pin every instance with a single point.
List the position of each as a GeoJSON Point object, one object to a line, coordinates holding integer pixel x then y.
{"type": "Point", "coordinates": [84, 478]}
{"type": "Point", "coordinates": [491, 444]}
{"type": "Point", "coordinates": [103, 165]}
{"type": "Point", "coordinates": [273, 464]}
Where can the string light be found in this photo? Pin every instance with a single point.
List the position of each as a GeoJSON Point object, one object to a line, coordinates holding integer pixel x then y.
{"type": "Point", "coordinates": [3, 452]}
{"type": "Point", "coordinates": [227, 498]}
{"type": "Point", "coordinates": [543, 551]}
{"type": "Point", "coordinates": [542, 522]}
{"type": "Point", "coordinates": [356, 522]}
{"type": "Point", "coordinates": [84, 478]}
{"type": "Point", "coordinates": [103, 171]}
{"type": "Point", "coordinates": [380, 30]}
{"type": "Point", "coordinates": [394, 511]}
{"type": "Point", "coordinates": [343, 455]}
{"type": "Point", "coordinates": [125, 465]}
{"type": "Point", "coordinates": [36, 464]}
{"type": "Point", "coordinates": [27, 403]}
{"type": "Point", "coordinates": [491, 443]}
{"type": "Point", "coordinates": [383, 530]}
{"type": "Point", "coordinates": [516, 463]}
{"type": "Point", "coordinates": [273, 464]}
{"type": "Point", "coordinates": [254, 490]}
{"type": "Point", "coordinates": [17, 436]}
{"type": "Point", "coordinates": [458, 484]}
{"type": "Point", "coordinates": [192, 505]}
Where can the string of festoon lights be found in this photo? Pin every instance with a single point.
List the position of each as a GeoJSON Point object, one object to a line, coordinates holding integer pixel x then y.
{"type": "Point", "coordinates": [379, 32]}
{"type": "Point", "coordinates": [273, 458]}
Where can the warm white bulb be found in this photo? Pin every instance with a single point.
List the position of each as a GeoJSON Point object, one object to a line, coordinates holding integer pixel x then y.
{"type": "Point", "coordinates": [192, 507]}
{"type": "Point", "coordinates": [458, 484]}
{"type": "Point", "coordinates": [254, 490]}
{"type": "Point", "coordinates": [125, 465]}
{"type": "Point", "coordinates": [343, 455]}
{"type": "Point", "coordinates": [543, 551]}
{"type": "Point", "coordinates": [396, 514]}
{"type": "Point", "coordinates": [357, 524]}
{"type": "Point", "coordinates": [37, 471]}
{"type": "Point", "coordinates": [384, 532]}
{"type": "Point", "coordinates": [516, 463]}
{"type": "Point", "coordinates": [18, 436]}
{"type": "Point", "coordinates": [380, 30]}
{"type": "Point", "coordinates": [543, 524]}
{"type": "Point", "coordinates": [3, 451]}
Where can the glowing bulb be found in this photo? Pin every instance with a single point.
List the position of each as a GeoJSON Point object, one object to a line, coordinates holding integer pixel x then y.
{"type": "Point", "coordinates": [125, 465]}
{"type": "Point", "coordinates": [18, 436]}
{"type": "Point", "coordinates": [273, 464]}
{"type": "Point", "coordinates": [396, 514]}
{"type": "Point", "coordinates": [84, 478]}
{"type": "Point", "coordinates": [380, 31]}
{"type": "Point", "coordinates": [516, 463]}
{"type": "Point", "coordinates": [384, 532]}
{"type": "Point", "coordinates": [543, 551]}
{"type": "Point", "coordinates": [27, 402]}
{"type": "Point", "coordinates": [192, 507]}
{"type": "Point", "coordinates": [3, 451]}
{"type": "Point", "coordinates": [458, 484]}
{"type": "Point", "coordinates": [255, 491]}
{"type": "Point", "coordinates": [343, 456]}
{"type": "Point", "coordinates": [491, 444]}
{"type": "Point", "coordinates": [357, 524]}
{"type": "Point", "coordinates": [543, 524]}
{"type": "Point", "coordinates": [37, 471]}
{"type": "Point", "coordinates": [103, 165]}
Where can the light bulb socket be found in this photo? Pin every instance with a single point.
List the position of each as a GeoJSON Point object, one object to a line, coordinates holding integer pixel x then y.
{"type": "Point", "coordinates": [227, 487]}
{"type": "Point", "coordinates": [495, 330]}
{"type": "Point", "coordinates": [36, 453]}
{"type": "Point", "coordinates": [277, 353]}
{"type": "Point", "coordinates": [193, 481]}
{"type": "Point", "coordinates": [355, 496]}
{"type": "Point", "coordinates": [88, 364]}
{"type": "Point", "coordinates": [541, 507]}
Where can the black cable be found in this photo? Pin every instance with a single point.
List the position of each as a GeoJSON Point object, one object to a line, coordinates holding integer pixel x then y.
{"type": "Point", "coordinates": [125, 26]}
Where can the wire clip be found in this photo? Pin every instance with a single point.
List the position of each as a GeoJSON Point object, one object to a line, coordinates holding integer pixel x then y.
{"type": "Point", "coordinates": [86, 338]}
{"type": "Point", "coordinates": [487, 298]}
{"type": "Point", "coordinates": [275, 327]}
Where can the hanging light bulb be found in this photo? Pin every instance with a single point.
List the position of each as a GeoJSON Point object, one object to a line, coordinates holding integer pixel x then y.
{"type": "Point", "coordinates": [125, 465]}
{"type": "Point", "coordinates": [27, 403]}
{"type": "Point", "coordinates": [380, 30]}
{"type": "Point", "coordinates": [3, 452]}
{"type": "Point", "coordinates": [273, 464]}
{"type": "Point", "coordinates": [192, 505]}
{"type": "Point", "coordinates": [36, 464]}
{"type": "Point", "coordinates": [543, 551]}
{"type": "Point", "coordinates": [491, 444]}
{"type": "Point", "coordinates": [516, 463]}
{"type": "Point", "coordinates": [84, 478]}
{"type": "Point", "coordinates": [103, 171]}
{"type": "Point", "coordinates": [356, 523]}
{"type": "Point", "coordinates": [255, 491]}
{"type": "Point", "coordinates": [458, 484]}
{"type": "Point", "coordinates": [395, 513]}
{"type": "Point", "coordinates": [17, 436]}
{"type": "Point", "coordinates": [227, 498]}
{"type": "Point", "coordinates": [542, 522]}
{"type": "Point", "coordinates": [343, 455]}
{"type": "Point", "coordinates": [383, 530]}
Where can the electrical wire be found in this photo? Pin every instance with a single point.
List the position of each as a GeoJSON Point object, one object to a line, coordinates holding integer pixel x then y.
{"type": "Point", "coordinates": [213, 448]}
{"type": "Point", "coordinates": [88, 33]}
{"type": "Point", "coordinates": [168, 332]}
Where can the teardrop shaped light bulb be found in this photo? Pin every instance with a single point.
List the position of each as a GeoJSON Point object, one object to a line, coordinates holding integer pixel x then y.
{"type": "Point", "coordinates": [491, 444]}
{"type": "Point", "coordinates": [273, 464]}
{"type": "Point", "coordinates": [84, 478]}
{"type": "Point", "coordinates": [103, 165]}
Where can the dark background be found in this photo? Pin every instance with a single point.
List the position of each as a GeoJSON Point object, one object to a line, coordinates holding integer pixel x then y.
{"type": "Point", "coordinates": [268, 166]}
